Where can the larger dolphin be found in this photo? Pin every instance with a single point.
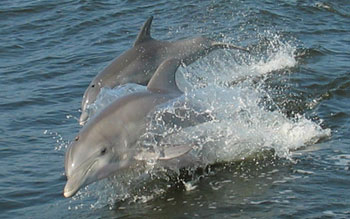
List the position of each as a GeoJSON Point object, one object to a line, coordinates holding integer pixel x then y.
{"type": "Point", "coordinates": [107, 143]}
{"type": "Point", "coordinates": [138, 64]}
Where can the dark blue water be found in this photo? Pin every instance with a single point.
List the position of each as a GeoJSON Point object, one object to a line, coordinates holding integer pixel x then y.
{"type": "Point", "coordinates": [293, 89]}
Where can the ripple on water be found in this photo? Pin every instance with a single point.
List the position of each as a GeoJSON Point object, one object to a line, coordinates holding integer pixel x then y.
{"type": "Point", "coordinates": [288, 93]}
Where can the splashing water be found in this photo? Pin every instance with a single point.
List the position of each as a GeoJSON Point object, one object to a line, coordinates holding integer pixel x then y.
{"type": "Point", "coordinates": [226, 89]}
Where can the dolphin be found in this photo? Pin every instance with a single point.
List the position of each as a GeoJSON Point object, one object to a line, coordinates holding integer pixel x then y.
{"type": "Point", "coordinates": [138, 64]}
{"type": "Point", "coordinates": [107, 143]}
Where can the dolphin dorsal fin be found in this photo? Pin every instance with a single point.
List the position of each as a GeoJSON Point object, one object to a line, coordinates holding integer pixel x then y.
{"type": "Point", "coordinates": [145, 32]}
{"type": "Point", "coordinates": [163, 80]}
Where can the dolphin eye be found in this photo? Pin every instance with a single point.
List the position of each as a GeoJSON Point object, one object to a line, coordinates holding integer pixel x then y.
{"type": "Point", "coordinates": [93, 85]}
{"type": "Point", "coordinates": [103, 151]}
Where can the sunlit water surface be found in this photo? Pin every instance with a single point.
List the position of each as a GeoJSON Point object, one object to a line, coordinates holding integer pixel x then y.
{"type": "Point", "coordinates": [276, 143]}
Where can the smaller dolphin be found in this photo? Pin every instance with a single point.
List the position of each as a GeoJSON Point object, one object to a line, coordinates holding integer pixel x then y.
{"type": "Point", "coordinates": [138, 64]}
{"type": "Point", "coordinates": [107, 143]}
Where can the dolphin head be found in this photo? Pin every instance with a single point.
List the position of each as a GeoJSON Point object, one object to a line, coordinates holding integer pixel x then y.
{"type": "Point", "coordinates": [91, 157]}
{"type": "Point", "coordinates": [89, 97]}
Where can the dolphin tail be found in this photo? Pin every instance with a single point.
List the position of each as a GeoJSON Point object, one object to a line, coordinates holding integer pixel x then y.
{"type": "Point", "coordinates": [228, 46]}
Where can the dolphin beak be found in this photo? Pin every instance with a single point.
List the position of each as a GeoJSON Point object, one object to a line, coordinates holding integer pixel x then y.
{"type": "Point", "coordinates": [77, 179]}
{"type": "Point", "coordinates": [70, 189]}
{"type": "Point", "coordinates": [83, 118]}
{"type": "Point", "coordinates": [73, 185]}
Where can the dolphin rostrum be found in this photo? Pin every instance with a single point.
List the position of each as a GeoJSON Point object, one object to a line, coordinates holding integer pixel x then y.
{"type": "Point", "coordinates": [138, 64]}
{"type": "Point", "coordinates": [108, 142]}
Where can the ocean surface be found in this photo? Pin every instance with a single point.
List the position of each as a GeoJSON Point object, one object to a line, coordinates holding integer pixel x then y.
{"type": "Point", "coordinates": [279, 146]}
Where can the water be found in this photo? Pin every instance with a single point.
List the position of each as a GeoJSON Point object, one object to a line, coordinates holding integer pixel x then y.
{"type": "Point", "coordinates": [279, 139]}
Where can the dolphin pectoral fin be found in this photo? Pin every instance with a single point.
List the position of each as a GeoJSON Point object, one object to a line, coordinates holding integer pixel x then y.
{"type": "Point", "coordinates": [145, 32]}
{"type": "Point", "coordinates": [228, 46]}
{"type": "Point", "coordinates": [174, 151]}
{"type": "Point", "coordinates": [145, 155]}
{"type": "Point", "coordinates": [166, 153]}
{"type": "Point", "coordinates": [163, 80]}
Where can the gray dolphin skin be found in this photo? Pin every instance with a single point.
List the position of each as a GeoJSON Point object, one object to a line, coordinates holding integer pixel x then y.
{"type": "Point", "coordinates": [107, 143]}
{"type": "Point", "coordinates": [138, 64]}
